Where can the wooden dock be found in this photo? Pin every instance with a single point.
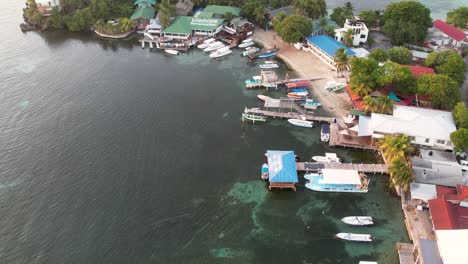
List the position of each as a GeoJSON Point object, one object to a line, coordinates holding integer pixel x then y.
{"type": "Point", "coordinates": [275, 114]}
{"type": "Point", "coordinates": [337, 139]}
{"type": "Point", "coordinates": [365, 168]}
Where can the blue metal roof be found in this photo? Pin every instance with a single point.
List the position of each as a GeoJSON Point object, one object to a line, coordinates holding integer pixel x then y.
{"type": "Point", "coordinates": [329, 45]}
{"type": "Point", "coordinates": [282, 166]}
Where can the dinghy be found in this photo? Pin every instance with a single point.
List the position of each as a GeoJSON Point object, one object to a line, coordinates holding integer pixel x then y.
{"type": "Point", "coordinates": [264, 174]}
{"type": "Point", "coordinates": [172, 52]}
{"type": "Point", "coordinates": [262, 97]}
{"type": "Point", "coordinates": [358, 220]}
{"type": "Point", "coordinates": [269, 66]}
{"type": "Point", "coordinates": [355, 237]}
{"type": "Point", "coordinates": [268, 54]}
{"type": "Point", "coordinates": [221, 52]}
{"type": "Point", "coordinates": [301, 123]}
{"type": "Point", "coordinates": [270, 62]}
{"type": "Point", "coordinates": [325, 133]}
{"type": "Point", "coordinates": [214, 46]}
{"type": "Point", "coordinates": [206, 43]}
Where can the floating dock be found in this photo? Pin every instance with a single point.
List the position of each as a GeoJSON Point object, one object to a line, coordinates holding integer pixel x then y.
{"type": "Point", "coordinates": [288, 115]}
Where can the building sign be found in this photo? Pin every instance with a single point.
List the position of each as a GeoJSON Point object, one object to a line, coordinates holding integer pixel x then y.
{"type": "Point", "coordinates": [205, 22]}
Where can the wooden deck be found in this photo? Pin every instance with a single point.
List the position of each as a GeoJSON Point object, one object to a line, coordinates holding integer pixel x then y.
{"type": "Point", "coordinates": [405, 253]}
{"type": "Point", "coordinates": [337, 139]}
{"type": "Point", "coordinates": [282, 185]}
{"type": "Point", "coordinates": [275, 114]}
{"type": "Point", "coordinates": [366, 168]}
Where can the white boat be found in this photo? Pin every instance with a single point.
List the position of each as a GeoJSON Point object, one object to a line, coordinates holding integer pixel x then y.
{"type": "Point", "coordinates": [355, 237]}
{"type": "Point", "coordinates": [262, 97]}
{"type": "Point", "coordinates": [206, 43]}
{"type": "Point", "coordinates": [247, 40]}
{"type": "Point", "coordinates": [270, 62]}
{"type": "Point", "coordinates": [301, 123]}
{"type": "Point", "coordinates": [325, 133]}
{"type": "Point", "coordinates": [334, 180]}
{"type": "Point", "coordinates": [358, 220]}
{"type": "Point", "coordinates": [214, 46]}
{"type": "Point", "coordinates": [264, 174]}
{"type": "Point", "coordinates": [329, 157]}
{"type": "Point", "coordinates": [246, 44]}
{"type": "Point", "coordinates": [269, 66]}
{"type": "Point", "coordinates": [249, 51]}
{"type": "Point", "coordinates": [173, 52]}
{"type": "Point", "coordinates": [220, 52]}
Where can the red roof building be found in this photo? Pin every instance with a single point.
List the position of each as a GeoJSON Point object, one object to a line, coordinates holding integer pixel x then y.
{"type": "Point", "coordinates": [449, 30]}
{"type": "Point", "coordinates": [418, 70]}
{"type": "Point", "coordinates": [446, 211]}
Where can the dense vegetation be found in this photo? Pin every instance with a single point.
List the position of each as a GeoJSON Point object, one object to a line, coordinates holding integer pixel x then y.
{"type": "Point", "coordinates": [293, 28]}
{"type": "Point", "coordinates": [460, 137]}
{"type": "Point", "coordinates": [340, 14]}
{"type": "Point", "coordinates": [406, 22]}
{"type": "Point", "coordinates": [448, 62]}
{"type": "Point", "coordinates": [458, 17]}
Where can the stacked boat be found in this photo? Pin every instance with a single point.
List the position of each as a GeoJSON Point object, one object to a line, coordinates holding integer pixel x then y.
{"type": "Point", "coordinates": [246, 43]}
{"type": "Point", "coordinates": [221, 52]}
{"type": "Point", "coordinates": [214, 46]}
{"type": "Point", "coordinates": [206, 43]}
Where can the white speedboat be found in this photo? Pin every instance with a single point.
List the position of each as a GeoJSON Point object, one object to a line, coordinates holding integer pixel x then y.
{"type": "Point", "coordinates": [214, 46]}
{"type": "Point", "coordinates": [301, 123]}
{"type": "Point", "coordinates": [249, 51]}
{"type": "Point", "coordinates": [264, 174]}
{"type": "Point", "coordinates": [325, 133]}
{"type": "Point", "coordinates": [172, 52]}
{"type": "Point", "coordinates": [246, 44]}
{"type": "Point", "coordinates": [355, 237]}
{"type": "Point", "coordinates": [220, 52]}
{"type": "Point", "coordinates": [270, 62]}
{"type": "Point", "coordinates": [262, 97]}
{"type": "Point", "coordinates": [206, 43]}
{"type": "Point", "coordinates": [358, 220]}
{"type": "Point", "coordinates": [329, 157]}
{"type": "Point", "coordinates": [269, 66]}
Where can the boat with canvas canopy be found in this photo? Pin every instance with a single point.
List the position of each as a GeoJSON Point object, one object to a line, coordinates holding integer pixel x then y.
{"type": "Point", "coordinates": [358, 220]}
{"type": "Point", "coordinates": [355, 237]}
{"type": "Point", "coordinates": [334, 180]}
{"type": "Point", "coordinates": [264, 174]}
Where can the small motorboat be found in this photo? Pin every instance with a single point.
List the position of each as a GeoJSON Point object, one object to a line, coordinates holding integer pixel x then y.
{"type": "Point", "coordinates": [221, 52]}
{"type": "Point", "coordinates": [325, 133]}
{"type": "Point", "coordinates": [311, 104]}
{"type": "Point", "coordinates": [355, 237]}
{"type": "Point", "coordinates": [267, 54]}
{"type": "Point", "coordinates": [269, 66]}
{"type": "Point", "coordinates": [214, 46]}
{"type": "Point", "coordinates": [264, 174]}
{"type": "Point", "coordinates": [329, 157]}
{"type": "Point", "coordinates": [301, 123]}
{"type": "Point", "coordinates": [262, 97]}
{"type": "Point", "coordinates": [250, 50]}
{"type": "Point", "coordinates": [299, 93]}
{"type": "Point", "coordinates": [172, 52]}
{"type": "Point", "coordinates": [358, 220]}
{"type": "Point", "coordinates": [297, 97]}
{"type": "Point", "coordinates": [206, 43]}
{"type": "Point", "coordinates": [246, 44]}
{"type": "Point", "coordinates": [270, 62]}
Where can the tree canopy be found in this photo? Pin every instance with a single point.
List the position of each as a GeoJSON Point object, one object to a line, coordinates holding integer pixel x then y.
{"type": "Point", "coordinates": [406, 22]}
{"type": "Point", "coordinates": [399, 76]}
{"type": "Point", "coordinates": [310, 8]}
{"type": "Point", "coordinates": [442, 90]}
{"type": "Point", "coordinates": [460, 114]}
{"type": "Point", "coordinates": [254, 10]}
{"type": "Point", "coordinates": [371, 17]}
{"type": "Point", "coordinates": [448, 62]}
{"type": "Point", "coordinates": [364, 71]}
{"type": "Point", "coordinates": [395, 147]}
{"type": "Point", "coordinates": [458, 17]}
{"type": "Point", "coordinates": [459, 138]}
{"type": "Point", "coordinates": [338, 15]}
{"type": "Point", "coordinates": [293, 28]}
{"type": "Point", "coordinates": [400, 55]}
{"type": "Point", "coordinates": [342, 60]}
{"type": "Point", "coordinates": [379, 55]}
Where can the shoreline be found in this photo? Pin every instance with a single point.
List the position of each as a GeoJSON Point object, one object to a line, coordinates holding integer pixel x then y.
{"type": "Point", "coordinates": [306, 65]}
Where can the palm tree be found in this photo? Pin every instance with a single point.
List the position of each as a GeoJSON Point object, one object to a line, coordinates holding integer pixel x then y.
{"type": "Point", "coordinates": [395, 147]}
{"type": "Point", "coordinates": [125, 24]}
{"type": "Point", "coordinates": [348, 38]}
{"type": "Point", "coordinates": [342, 60]}
{"type": "Point", "coordinates": [310, 8]}
{"type": "Point", "coordinates": [361, 90]}
{"type": "Point", "coordinates": [400, 174]}
{"type": "Point", "coordinates": [368, 104]}
{"type": "Point", "coordinates": [384, 104]}
{"type": "Point", "coordinates": [166, 10]}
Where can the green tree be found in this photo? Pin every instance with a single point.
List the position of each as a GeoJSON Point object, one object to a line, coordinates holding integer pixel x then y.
{"type": "Point", "coordinates": [338, 15]}
{"type": "Point", "coordinates": [348, 38]}
{"type": "Point", "coordinates": [280, 17]}
{"type": "Point", "coordinates": [330, 31]}
{"type": "Point", "coordinates": [323, 22]}
{"type": "Point", "coordinates": [400, 55]}
{"type": "Point", "coordinates": [459, 139]}
{"type": "Point", "coordinates": [293, 28]}
{"type": "Point", "coordinates": [395, 147]}
{"type": "Point", "coordinates": [362, 90]}
{"type": "Point", "coordinates": [101, 8]}
{"type": "Point", "coordinates": [254, 10]}
{"type": "Point", "coordinates": [371, 17]}
{"type": "Point", "coordinates": [400, 174]}
{"type": "Point", "coordinates": [82, 20]}
{"type": "Point", "coordinates": [399, 76]}
{"type": "Point", "coordinates": [458, 17]}
{"type": "Point", "coordinates": [369, 105]}
{"type": "Point", "coordinates": [228, 16]}
{"type": "Point", "coordinates": [125, 24]}
{"type": "Point", "coordinates": [364, 71]}
{"type": "Point", "coordinates": [348, 9]}
{"type": "Point", "coordinates": [448, 62]}
{"type": "Point", "coordinates": [442, 90]}
{"type": "Point", "coordinates": [379, 55]}
{"type": "Point", "coordinates": [342, 60]}
{"type": "Point", "coordinates": [460, 114]}
{"type": "Point", "coordinates": [406, 22]}
{"type": "Point", "coordinates": [310, 8]}
{"type": "Point", "coordinates": [384, 105]}
{"type": "Point", "coordinates": [166, 10]}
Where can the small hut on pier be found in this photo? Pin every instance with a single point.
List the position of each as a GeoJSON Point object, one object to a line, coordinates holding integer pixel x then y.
{"type": "Point", "coordinates": [282, 169]}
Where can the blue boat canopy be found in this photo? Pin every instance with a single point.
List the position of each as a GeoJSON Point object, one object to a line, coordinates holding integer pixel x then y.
{"type": "Point", "coordinates": [282, 166]}
{"type": "Point", "coordinates": [393, 97]}
{"type": "Point", "coordinates": [325, 129]}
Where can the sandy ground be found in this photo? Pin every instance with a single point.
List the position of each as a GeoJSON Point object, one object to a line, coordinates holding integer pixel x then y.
{"type": "Point", "coordinates": [308, 65]}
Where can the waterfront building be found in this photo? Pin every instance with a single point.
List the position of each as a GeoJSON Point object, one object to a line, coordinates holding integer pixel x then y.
{"type": "Point", "coordinates": [425, 127]}
{"type": "Point", "coordinates": [325, 47]}
{"type": "Point", "coordinates": [445, 36]}
{"type": "Point", "coordinates": [357, 27]}
{"type": "Point", "coordinates": [45, 6]}
{"type": "Point", "coordinates": [282, 169]}
{"type": "Point", "coordinates": [142, 15]}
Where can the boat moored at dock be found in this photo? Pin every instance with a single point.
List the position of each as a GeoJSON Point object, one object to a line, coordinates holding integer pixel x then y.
{"type": "Point", "coordinates": [172, 52]}
{"type": "Point", "coordinates": [254, 117]}
{"type": "Point", "coordinates": [355, 237]}
{"type": "Point", "coordinates": [264, 174]}
{"type": "Point", "coordinates": [301, 123]}
{"type": "Point", "coordinates": [334, 180]}
{"type": "Point", "coordinates": [221, 52]}
{"type": "Point", "coordinates": [358, 220]}
{"type": "Point", "coordinates": [268, 54]}
{"type": "Point", "coordinates": [262, 97]}
{"type": "Point", "coordinates": [329, 157]}
{"type": "Point", "coordinates": [250, 50]}
{"type": "Point", "coordinates": [246, 43]}
{"type": "Point", "coordinates": [206, 43]}
{"type": "Point", "coordinates": [325, 133]}
{"type": "Point", "coordinates": [214, 46]}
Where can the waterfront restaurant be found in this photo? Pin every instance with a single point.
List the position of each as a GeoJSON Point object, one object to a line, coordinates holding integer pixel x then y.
{"type": "Point", "coordinates": [185, 26]}
{"type": "Point", "coordinates": [325, 47]}
{"type": "Point", "coordinates": [282, 169]}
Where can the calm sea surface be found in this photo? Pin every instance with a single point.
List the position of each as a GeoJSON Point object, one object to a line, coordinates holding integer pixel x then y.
{"type": "Point", "coordinates": [114, 154]}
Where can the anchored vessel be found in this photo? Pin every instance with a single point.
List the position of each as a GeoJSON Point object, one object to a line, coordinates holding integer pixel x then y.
{"type": "Point", "coordinates": [329, 157]}
{"type": "Point", "coordinates": [220, 52]}
{"type": "Point", "coordinates": [264, 174]}
{"type": "Point", "coordinates": [301, 123]}
{"type": "Point", "coordinates": [333, 180]}
{"type": "Point", "coordinates": [355, 237]}
{"type": "Point", "coordinates": [325, 133]}
{"type": "Point", "coordinates": [358, 220]}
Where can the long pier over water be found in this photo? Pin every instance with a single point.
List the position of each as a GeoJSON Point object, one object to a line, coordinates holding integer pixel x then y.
{"type": "Point", "coordinates": [366, 168]}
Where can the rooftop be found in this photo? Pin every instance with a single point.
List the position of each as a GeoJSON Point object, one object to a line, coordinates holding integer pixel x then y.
{"type": "Point", "coordinates": [418, 70]}
{"type": "Point", "coordinates": [146, 12]}
{"type": "Point", "coordinates": [221, 10]}
{"type": "Point", "coordinates": [449, 30]}
{"type": "Point", "coordinates": [329, 45]}
{"type": "Point", "coordinates": [180, 25]}
{"type": "Point", "coordinates": [452, 245]}
{"type": "Point", "coordinates": [333, 176]}
{"type": "Point", "coordinates": [423, 192]}
{"type": "Point", "coordinates": [282, 166]}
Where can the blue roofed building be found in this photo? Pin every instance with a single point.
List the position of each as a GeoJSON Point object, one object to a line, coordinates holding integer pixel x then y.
{"type": "Point", "coordinates": [282, 169]}
{"type": "Point", "coordinates": [325, 47]}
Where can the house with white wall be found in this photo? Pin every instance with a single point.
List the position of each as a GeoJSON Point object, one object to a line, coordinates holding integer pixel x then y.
{"type": "Point", "coordinates": [442, 34]}
{"type": "Point", "coordinates": [46, 6]}
{"type": "Point", "coordinates": [359, 29]}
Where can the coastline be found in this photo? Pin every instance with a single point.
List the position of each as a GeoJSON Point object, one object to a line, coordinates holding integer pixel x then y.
{"type": "Point", "coordinates": [308, 66]}
{"type": "Point", "coordinates": [118, 36]}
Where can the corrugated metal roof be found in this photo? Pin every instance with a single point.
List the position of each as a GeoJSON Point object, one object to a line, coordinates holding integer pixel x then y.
{"type": "Point", "coordinates": [146, 12]}
{"type": "Point", "coordinates": [221, 10]}
{"type": "Point", "coordinates": [329, 45]}
{"type": "Point", "coordinates": [282, 166]}
{"type": "Point", "coordinates": [449, 30]}
{"type": "Point", "coordinates": [429, 251]}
